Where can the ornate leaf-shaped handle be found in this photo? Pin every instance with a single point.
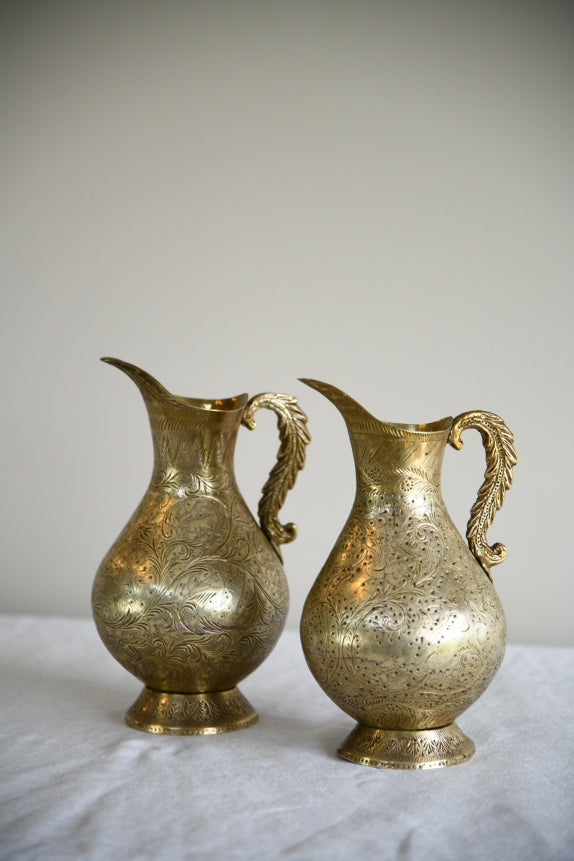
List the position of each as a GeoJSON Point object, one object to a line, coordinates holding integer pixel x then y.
{"type": "Point", "coordinates": [294, 436]}
{"type": "Point", "coordinates": [500, 458]}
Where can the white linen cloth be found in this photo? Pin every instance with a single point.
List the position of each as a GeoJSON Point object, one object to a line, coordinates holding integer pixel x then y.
{"type": "Point", "coordinates": [79, 784]}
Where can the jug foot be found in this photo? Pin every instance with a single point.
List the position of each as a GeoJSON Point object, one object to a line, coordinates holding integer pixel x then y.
{"type": "Point", "coordinates": [416, 748]}
{"type": "Point", "coordinates": [190, 714]}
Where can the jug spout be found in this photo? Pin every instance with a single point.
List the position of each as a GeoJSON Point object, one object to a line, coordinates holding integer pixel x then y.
{"type": "Point", "coordinates": [157, 397]}
{"type": "Point", "coordinates": [151, 390]}
{"type": "Point", "coordinates": [355, 416]}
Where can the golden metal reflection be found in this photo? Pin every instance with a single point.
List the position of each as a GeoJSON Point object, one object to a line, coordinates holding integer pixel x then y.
{"type": "Point", "coordinates": [192, 597]}
{"type": "Point", "coordinates": [403, 628]}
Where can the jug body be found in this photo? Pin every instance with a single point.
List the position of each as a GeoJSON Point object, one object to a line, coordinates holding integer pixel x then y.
{"type": "Point", "coordinates": [192, 596]}
{"type": "Point", "coordinates": [403, 628]}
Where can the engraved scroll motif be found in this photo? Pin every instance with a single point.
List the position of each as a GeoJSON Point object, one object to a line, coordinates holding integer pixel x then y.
{"type": "Point", "coordinates": [294, 436]}
{"type": "Point", "coordinates": [500, 458]}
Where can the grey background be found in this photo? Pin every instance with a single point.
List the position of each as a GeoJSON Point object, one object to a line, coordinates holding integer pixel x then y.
{"type": "Point", "coordinates": [232, 195]}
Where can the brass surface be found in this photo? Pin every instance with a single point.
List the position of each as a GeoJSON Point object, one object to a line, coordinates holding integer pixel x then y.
{"type": "Point", "coordinates": [191, 714]}
{"type": "Point", "coordinates": [408, 749]}
{"type": "Point", "coordinates": [192, 597]}
{"type": "Point", "coordinates": [403, 628]}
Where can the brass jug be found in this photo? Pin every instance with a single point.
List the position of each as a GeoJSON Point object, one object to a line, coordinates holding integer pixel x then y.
{"type": "Point", "coordinates": [192, 597]}
{"type": "Point", "coordinates": [403, 628]}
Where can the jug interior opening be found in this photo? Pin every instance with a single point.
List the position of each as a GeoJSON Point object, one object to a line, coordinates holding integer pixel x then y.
{"type": "Point", "coordinates": [223, 405]}
{"type": "Point", "coordinates": [431, 427]}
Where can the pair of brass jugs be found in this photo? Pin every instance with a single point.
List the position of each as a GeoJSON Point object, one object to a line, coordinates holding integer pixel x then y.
{"type": "Point", "coordinates": [402, 629]}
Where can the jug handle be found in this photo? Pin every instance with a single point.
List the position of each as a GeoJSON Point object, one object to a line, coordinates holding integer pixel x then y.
{"type": "Point", "coordinates": [293, 436]}
{"type": "Point", "coordinates": [500, 458]}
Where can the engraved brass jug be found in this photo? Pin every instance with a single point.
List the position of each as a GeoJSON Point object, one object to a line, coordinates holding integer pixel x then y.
{"type": "Point", "coordinates": [192, 597]}
{"type": "Point", "coordinates": [403, 628]}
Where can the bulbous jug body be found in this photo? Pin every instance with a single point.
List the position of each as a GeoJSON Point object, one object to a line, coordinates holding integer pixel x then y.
{"type": "Point", "coordinates": [403, 628]}
{"type": "Point", "coordinates": [192, 596]}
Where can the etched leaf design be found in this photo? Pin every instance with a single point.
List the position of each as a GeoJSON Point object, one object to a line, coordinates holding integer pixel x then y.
{"type": "Point", "coordinates": [500, 459]}
{"type": "Point", "coordinates": [294, 437]}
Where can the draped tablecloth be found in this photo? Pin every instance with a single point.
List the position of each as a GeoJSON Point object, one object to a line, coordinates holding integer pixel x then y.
{"type": "Point", "coordinates": [76, 783]}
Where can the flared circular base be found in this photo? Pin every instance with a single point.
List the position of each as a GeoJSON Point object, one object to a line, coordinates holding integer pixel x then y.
{"type": "Point", "coordinates": [190, 714]}
{"type": "Point", "coordinates": [416, 748]}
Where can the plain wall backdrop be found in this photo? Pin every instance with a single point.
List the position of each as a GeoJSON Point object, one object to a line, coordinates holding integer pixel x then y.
{"type": "Point", "coordinates": [232, 195]}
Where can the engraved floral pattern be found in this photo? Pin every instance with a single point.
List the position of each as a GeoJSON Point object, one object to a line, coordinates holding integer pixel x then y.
{"type": "Point", "coordinates": [421, 749]}
{"type": "Point", "coordinates": [185, 605]}
{"type": "Point", "coordinates": [196, 713]}
{"type": "Point", "coordinates": [403, 628]}
{"type": "Point", "coordinates": [192, 596]}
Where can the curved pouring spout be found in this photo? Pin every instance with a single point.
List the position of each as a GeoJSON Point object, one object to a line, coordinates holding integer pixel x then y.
{"type": "Point", "coordinates": [358, 419]}
{"type": "Point", "coordinates": [150, 388]}
{"type": "Point", "coordinates": [153, 392]}
{"type": "Point", "coordinates": [354, 414]}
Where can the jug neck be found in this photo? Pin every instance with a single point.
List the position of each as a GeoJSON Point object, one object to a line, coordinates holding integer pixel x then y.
{"type": "Point", "coordinates": [384, 452]}
{"type": "Point", "coordinates": [387, 454]}
{"type": "Point", "coordinates": [193, 439]}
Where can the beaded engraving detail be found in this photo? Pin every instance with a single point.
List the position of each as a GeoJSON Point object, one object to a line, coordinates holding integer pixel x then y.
{"type": "Point", "coordinates": [403, 628]}
{"type": "Point", "coordinates": [394, 749]}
